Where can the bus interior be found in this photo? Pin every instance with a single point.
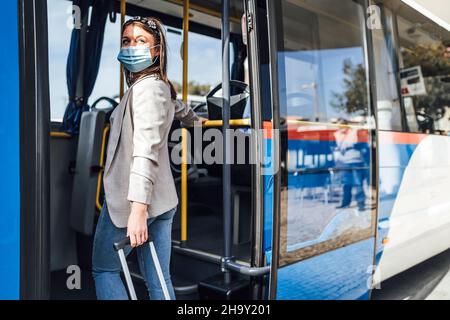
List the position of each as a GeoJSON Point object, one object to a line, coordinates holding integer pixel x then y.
{"type": "Point", "coordinates": [76, 161]}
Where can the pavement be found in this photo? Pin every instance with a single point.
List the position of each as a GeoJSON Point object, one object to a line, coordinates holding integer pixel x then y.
{"type": "Point", "coordinates": [429, 280]}
{"type": "Point", "coordinates": [442, 290]}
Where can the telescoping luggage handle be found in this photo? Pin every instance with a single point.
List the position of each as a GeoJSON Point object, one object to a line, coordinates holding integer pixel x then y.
{"type": "Point", "coordinates": [120, 246]}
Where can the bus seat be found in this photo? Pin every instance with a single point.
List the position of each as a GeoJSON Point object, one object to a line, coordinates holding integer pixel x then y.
{"type": "Point", "coordinates": [63, 246]}
{"type": "Point", "coordinates": [84, 189]}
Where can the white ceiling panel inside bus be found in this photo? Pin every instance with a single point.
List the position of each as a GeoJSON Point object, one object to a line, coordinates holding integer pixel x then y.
{"type": "Point", "coordinates": [207, 13]}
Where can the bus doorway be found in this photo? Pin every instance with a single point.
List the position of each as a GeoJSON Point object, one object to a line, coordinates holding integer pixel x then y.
{"type": "Point", "coordinates": [79, 137]}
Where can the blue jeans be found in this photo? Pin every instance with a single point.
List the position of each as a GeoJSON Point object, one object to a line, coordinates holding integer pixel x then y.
{"type": "Point", "coordinates": [106, 264]}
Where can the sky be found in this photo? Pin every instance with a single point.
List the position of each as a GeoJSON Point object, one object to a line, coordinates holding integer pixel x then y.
{"type": "Point", "coordinates": [204, 58]}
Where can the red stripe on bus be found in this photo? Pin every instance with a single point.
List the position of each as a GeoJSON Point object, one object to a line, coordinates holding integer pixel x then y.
{"type": "Point", "coordinates": [267, 129]}
{"type": "Point", "coordinates": [329, 134]}
{"type": "Point", "coordinates": [311, 132]}
{"type": "Point", "coordinates": [400, 137]}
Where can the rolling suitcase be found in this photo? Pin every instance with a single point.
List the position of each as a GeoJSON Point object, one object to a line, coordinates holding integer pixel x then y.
{"type": "Point", "coordinates": [120, 246]}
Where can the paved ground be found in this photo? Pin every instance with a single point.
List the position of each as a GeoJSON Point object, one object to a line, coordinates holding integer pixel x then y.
{"type": "Point", "coordinates": [430, 280]}
{"type": "Point", "coordinates": [442, 290]}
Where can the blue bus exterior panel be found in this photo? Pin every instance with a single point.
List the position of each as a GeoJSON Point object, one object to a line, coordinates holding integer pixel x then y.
{"type": "Point", "coordinates": [9, 159]}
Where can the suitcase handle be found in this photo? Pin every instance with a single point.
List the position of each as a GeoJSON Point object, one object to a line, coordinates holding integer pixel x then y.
{"type": "Point", "coordinates": [126, 242]}
{"type": "Point", "coordinates": [120, 245]}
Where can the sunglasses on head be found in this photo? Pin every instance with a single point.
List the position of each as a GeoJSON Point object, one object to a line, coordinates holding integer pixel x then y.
{"type": "Point", "coordinates": [149, 23]}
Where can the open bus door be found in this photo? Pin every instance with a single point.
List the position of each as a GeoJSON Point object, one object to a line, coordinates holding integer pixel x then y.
{"type": "Point", "coordinates": [323, 194]}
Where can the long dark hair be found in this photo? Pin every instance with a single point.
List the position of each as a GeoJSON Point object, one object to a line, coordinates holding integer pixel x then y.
{"type": "Point", "coordinates": [155, 27]}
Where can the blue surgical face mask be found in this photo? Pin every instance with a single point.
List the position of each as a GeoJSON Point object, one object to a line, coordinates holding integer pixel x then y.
{"type": "Point", "coordinates": [136, 59]}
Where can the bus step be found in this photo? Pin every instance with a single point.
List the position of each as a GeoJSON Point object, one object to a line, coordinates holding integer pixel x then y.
{"type": "Point", "coordinates": [215, 288]}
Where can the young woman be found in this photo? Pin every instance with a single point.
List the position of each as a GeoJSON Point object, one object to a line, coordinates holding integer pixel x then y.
{"type": "Point", "coordinates": [140, 194]}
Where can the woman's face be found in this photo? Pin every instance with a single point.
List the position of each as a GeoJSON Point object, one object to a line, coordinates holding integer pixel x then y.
{"type": "Point", "coordinates": [137, 36]}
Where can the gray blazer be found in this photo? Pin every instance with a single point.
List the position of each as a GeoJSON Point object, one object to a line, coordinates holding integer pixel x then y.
{"type": "Point", "coordinates": [137, 167]}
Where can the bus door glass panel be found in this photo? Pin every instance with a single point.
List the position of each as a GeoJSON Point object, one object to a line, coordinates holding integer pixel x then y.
{"type": "Point", "coordinates": [327, 217]}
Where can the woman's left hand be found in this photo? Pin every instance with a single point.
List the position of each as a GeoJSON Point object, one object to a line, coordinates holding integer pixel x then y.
{"type": "Point", "coordinates": [202, 120]}
{"type": "Point", "coordinates": [137, 228]}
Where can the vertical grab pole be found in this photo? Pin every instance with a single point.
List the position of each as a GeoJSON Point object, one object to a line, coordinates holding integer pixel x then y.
{"type": "Point", "coordinates": [184, 135]}
{"type": "Point", "coordinates": [226, 138]}
{"type": "Point", "coordinates": [123, 8]}
{"type": "Point", "coordinates": [79, 95]}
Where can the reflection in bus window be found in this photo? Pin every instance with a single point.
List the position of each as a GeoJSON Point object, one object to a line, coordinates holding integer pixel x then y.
{"type": "Point", "coordinates": [388, 102]}
{"type": "Point", "coordinates": [425, 74]}
{"type": "Point", "coordinates": [327, 193]}
{"type": "Point", "coordinates": [330, 54]}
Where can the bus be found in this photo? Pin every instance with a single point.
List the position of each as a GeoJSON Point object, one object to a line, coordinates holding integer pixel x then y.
{"type": "Point", "coordinates": [345, 111]}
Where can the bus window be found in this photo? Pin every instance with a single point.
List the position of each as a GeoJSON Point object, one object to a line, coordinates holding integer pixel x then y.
{"type": "Point", "coordinates": [424, 74]}
{"type": "Point", "coordinates": [388, 102]}
{"type": "Point", "coordinates": [59, 34]}
{"type": "Point", "coordinates": [330, 55]}
{"type": "Point", "coordinates": [203, 50]}
{"type": "Point", "coordinates": [59, 42]}
{"type": "Point", "coordinates": [107, 83]}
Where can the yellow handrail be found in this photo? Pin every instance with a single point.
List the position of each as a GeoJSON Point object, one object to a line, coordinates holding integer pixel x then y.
{"type": "Point", "coordinates": [57, 134]}
{"type": "Point", "coordinates": [184, 131]}
{"type": "Point", "coordinates": [101, 165]}
{"type": "Point", "coordinates": [184, 190]}
{"type": "Point", "coordinates": [233, 122]}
